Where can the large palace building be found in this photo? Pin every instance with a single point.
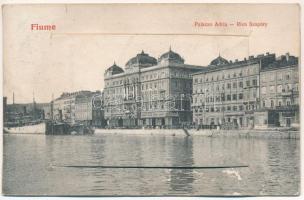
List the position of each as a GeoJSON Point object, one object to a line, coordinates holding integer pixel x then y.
{"type": "Point", "coordinates": [260, 91]}
{"type": "Point", "coordinates": [149, 92]}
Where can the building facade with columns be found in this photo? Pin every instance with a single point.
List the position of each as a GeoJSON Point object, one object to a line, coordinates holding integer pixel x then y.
{"type": "Point", "coordinates": [149, 92]}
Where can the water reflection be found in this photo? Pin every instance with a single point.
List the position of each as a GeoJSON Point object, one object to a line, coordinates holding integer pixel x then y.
{"type": "Point", "coordinates": [182, 155]}
{"type": "Point", "coordinates": [33, 165]}
{"type": "Point", "coordinates": [282, 175]}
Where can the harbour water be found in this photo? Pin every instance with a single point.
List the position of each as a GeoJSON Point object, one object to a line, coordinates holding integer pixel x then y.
{"type": "Point", "coordinates": [37, 165]}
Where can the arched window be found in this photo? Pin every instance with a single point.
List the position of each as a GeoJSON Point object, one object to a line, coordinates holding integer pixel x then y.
{"type": "Point", "coordinates": [287, 88]}
{"type": "Point", "coordinates": [279, 88]}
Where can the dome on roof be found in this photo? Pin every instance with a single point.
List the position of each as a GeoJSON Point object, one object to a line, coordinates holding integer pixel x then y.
{"type": "Point", "coordinates": [114, 69]}
{"type": "Point", "coordinates": [142, 59]}
{"type": "Point", "coordinates": [219, 61]}
{"type": "Point", "coordinates": [171, 56]}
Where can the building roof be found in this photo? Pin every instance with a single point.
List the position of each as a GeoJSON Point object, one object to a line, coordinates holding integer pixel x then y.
{"type": "Point", "coordinates": [114, 69]}
{"type": "Point", "coordinates": [142, 59]}
{"type": "Point", "coordinates": [171, 55]}
{"type": "Point", "coordinates": [219, 61]}
{"type": "Point", "coordinates": [264, 60]}
{"type": "Point", "coordinates": [176, 65]}
{"type": "Point", "coordinates": [66, 95]}
{"type": "Point", "coordinates": [282, 62]}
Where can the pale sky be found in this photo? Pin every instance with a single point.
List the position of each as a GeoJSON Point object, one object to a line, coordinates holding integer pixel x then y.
{"type": "Point", "coordinates": [75, 55]}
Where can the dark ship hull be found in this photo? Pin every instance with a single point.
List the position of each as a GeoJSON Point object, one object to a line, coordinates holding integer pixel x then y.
{"type": "Point", "coordinates": [61, 128]}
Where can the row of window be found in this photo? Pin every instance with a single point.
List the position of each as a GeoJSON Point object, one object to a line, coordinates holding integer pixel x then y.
{"type": "Point", "coordinates": [272, 76]}
{"type": "Point", "coordinates": [238, 108]}
{"type": "Point", "coordinates": [154, 85]}
{"type": "Point", "coordinates": [158, 75]}
{"type": "Point", "coordinates": [233, 85]}
{"type": "Point", "coordinates": [155, 75]}
{"type": "Point", "coordinates": [131, 80]}
{"type": "Point", "coordinates": [272, 104]}
{"type": "Point", "coordinates": [159, 85]}
{"type": "Point", "coordinates": [150, 106]}
{"type": "Point", "coordinates": [122, 81]}
{"type": "Point", "coordinates": [214, 120]}
{"type": "Point", "coordinates": [279, 88]}
{"type": "Point", "coordinates": [225, 108]}
{"type": "Point", "coordinates": [148, 77]}
{"type": "Point", "coordinates": [224, 75]}
{"type": "Point", "coordinates": [227, 97]}
{"type": "Point", "coordinates": [69, 102]}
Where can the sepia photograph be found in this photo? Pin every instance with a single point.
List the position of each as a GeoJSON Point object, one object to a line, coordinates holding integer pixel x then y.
{"type": "Point", "coordinates": [151, 99]}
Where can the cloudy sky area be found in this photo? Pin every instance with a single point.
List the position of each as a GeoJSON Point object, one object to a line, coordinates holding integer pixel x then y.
{"type": "Point", "coordinates": [75, 55]}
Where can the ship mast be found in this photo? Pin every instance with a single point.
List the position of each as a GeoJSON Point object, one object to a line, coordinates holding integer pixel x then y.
{"type": "Point", "coordinates": [34, 107]}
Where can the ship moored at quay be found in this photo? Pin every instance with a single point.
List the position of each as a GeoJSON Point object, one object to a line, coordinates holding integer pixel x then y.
{"type": "Point", "coordinates": [51, 128]}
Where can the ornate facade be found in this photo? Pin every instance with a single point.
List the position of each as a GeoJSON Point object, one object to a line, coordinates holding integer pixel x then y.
{"type": "Point", "coordinates": [149, 92]}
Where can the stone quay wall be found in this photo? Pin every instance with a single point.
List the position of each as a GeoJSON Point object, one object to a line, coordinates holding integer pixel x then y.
{"type": "Point", "coordinates": [275, 134]}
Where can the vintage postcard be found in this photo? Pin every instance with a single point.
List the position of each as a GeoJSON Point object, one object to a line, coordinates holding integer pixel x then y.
{"type": "Point", "coordinates": [151, 99]}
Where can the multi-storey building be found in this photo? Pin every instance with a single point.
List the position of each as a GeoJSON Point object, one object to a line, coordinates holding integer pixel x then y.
{"type": "Point", "coordinates": [89, 110]}
{"type": "Point", "coordinates": [229, 93]}
{"type": "Point", "coordinates": [279, 85]}
{"type": "Point", "coordinates": [149, 92]}
{"type": "Point", "coordinates": [64, 106]}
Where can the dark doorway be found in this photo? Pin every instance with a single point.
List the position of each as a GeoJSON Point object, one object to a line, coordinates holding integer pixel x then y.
{"type": "Point", "coordinates": [212, 122]}
{"type": "Point", "coordinates": [153, 122]}
{"type": "Point", "coordinates": [120, 122]}
{"type": "Point", "coordinates": [60, 115]}
{"type": "Point", "coordinates": [162, 121]}
{"type": "Point", "coordinates": [235, 124]}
